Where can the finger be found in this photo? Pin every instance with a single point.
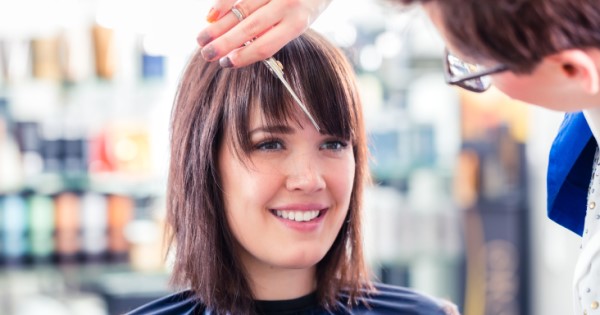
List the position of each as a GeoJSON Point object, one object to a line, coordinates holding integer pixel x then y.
{"type": "Point", "coordinates": [217, 29]}
{"type": "Point", "coordinates": [228, 21]}
{"type": "Point", "coordinates": [245, 31]}
{"type": "Point", "coordinates": [262, 48]}
{"type": "Point", "coordinates": [219, 9]}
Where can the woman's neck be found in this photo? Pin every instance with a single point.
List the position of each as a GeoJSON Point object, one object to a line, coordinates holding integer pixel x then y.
{"type": "Point", "coordinates": [272, 284]}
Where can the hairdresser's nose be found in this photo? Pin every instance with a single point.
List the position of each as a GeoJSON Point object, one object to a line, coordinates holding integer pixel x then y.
{"type": "Point", "coordinates": [305, 174]}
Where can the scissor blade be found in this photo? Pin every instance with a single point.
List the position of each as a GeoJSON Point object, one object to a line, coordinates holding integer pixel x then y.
{"type": "Point", "coordinates": [271, 64]}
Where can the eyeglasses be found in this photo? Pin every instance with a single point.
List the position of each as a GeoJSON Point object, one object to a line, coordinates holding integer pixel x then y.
{"type": "Point", "coordinates": [472, 77]}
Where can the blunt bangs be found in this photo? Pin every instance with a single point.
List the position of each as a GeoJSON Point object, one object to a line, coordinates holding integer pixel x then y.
{"type": "Point", "coordinates": [318, 74]}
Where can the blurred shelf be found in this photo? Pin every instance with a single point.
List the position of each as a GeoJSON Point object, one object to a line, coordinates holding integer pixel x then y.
{"type": "Point", "coordinates": [118, 287]}
{"type": "Point", "coordinates": [109, 183]}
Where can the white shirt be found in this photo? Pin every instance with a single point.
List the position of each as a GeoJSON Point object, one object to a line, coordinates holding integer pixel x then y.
{"type": "Point", "coordinates": [586, 280]}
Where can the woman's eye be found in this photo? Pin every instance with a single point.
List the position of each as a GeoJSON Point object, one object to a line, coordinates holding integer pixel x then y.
{"type": "Point", "coordinates": [270, 145]}
{"type": "Point", "coordinates": [335, 145]}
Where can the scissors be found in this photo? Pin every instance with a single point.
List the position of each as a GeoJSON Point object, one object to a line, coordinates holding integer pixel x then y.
{"type": "Point", "coordinates": [277, 69]}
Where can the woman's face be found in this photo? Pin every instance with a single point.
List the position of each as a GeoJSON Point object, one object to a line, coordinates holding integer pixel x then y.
{"type": "Point", "coordinates": [286, 204]}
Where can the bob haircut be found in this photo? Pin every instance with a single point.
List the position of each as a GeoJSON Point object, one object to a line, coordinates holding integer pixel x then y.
{"type": "Point", "coordinates": [518, 34]}
{"type": "Point", "coordinates": [210, 99]}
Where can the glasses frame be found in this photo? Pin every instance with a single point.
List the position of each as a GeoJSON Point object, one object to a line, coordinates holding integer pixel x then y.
{"type": "Point", "coordinates": [460, 80]}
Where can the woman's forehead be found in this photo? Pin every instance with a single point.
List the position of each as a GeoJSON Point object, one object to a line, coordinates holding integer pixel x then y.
{"type": "Point", "coordinates": [291, 117]}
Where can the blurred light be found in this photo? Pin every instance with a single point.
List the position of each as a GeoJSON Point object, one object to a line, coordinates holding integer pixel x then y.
{"type": "Point", "coordinates": [388, 44]}
{"type": "Point", "coordinates": [401, 21]}
{"type": "Point", "coordinates": [105, 16]}
{"type": "Point", "coordinates": [370, 58]}
{"type": "Point", "coordinates": [131, 16]}
{"type": "Point", "coordinates": [340, 12]}
{"type": "Point", "coordinates": [31, 18]}
{"type": "Point", "coordinates": [153, 45]}
{"type": "Point", "coordinates": [344, 35]}
{"type": "Point", "coordinates": [142, 231]}
{"type": "Point", "coordinates": [126, 150]}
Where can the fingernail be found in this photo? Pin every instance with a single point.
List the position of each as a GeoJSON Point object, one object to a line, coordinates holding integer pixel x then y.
{"type": "Point", "coordinates": [209, 53]}
{"type": "Point", "coordinates": [212, 15]}
{"type": "Point", "coordinates": [225, 62]}
{"type": "Point", "coordinates": [203, 39]}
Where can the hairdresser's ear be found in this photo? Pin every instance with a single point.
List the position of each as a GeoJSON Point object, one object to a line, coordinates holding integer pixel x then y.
{"type": "Point", "coordinates": [580, 65]}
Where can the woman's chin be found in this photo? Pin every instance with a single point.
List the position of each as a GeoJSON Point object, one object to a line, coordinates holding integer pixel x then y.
{"type": "Point", "coordinates": [299, 261]}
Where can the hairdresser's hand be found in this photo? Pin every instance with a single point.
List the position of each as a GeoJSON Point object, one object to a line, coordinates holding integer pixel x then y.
{"type": "Point", "coordinates": [273, 23]}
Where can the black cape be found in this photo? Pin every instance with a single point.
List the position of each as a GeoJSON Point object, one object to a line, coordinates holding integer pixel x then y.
{"type": "Point", "coordinates": [387, 300]}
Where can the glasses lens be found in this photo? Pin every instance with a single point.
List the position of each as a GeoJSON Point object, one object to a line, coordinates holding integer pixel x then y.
{"type": "Point", "coordinates": [459, 68]}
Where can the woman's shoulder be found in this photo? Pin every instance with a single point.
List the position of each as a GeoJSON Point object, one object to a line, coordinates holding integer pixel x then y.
{"type": "Point", "coordinates": [390, 299]}
{"type": "Point", "coordinates": [180, 303]}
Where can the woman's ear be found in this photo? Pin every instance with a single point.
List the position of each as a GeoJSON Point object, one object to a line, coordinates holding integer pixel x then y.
{"type": "Point", "coordinates": [580, 65]}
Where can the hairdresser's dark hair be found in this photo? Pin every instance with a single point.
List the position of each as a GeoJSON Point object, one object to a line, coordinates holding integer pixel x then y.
{"type": "Point", "coordinates": [517, 33]}
{"type": "Point", "coordinates": [208, 100]}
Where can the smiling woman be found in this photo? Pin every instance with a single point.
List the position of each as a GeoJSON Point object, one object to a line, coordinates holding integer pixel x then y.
{"type": "Point", "coordinates": [264, 209]}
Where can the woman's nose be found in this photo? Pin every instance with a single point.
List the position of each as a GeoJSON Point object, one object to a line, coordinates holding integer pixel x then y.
{"type": "Point", "coordinates": [305, 175]}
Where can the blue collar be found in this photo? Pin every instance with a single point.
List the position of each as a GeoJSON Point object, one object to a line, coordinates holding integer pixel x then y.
{"type": "Point", "coordinates": [569, 172]}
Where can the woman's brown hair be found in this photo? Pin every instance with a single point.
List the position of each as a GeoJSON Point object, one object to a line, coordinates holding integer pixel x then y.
{"type": "Point", "coordinates": [517, 33]}
{"type": "Point", "coordinates": [210, 99]}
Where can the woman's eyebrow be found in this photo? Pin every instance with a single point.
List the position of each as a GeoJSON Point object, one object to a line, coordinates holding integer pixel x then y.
{"type": "Point", "coordinates": [282, 129]}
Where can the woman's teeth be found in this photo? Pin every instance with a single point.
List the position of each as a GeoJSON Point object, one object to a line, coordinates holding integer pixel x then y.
{"type": "Point", "coordinates": [300, 216]}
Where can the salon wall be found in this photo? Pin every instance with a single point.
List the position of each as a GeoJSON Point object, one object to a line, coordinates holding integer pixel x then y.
{"type": "Point", "coordinates": [85, 94]}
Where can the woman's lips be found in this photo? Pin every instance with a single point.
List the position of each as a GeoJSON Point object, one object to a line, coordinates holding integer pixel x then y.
{"type": "Point", "coordinates": [298, 215]}
{"type": "Point", "coordinates": [301, 206]}
{"type": "Point", "coordinates": [302, 220]}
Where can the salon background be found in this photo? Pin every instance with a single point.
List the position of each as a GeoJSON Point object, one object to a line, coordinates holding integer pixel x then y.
{"type": "Point", "coordinates": [86, 87]}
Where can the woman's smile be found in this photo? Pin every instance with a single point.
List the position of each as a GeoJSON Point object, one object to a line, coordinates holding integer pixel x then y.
{"type": "Point", "coordinates": [301, 217]}
{"type": "Point", "coordinates": [299, 212]}
{"type": "Point", "coordinates": [297, 216]}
